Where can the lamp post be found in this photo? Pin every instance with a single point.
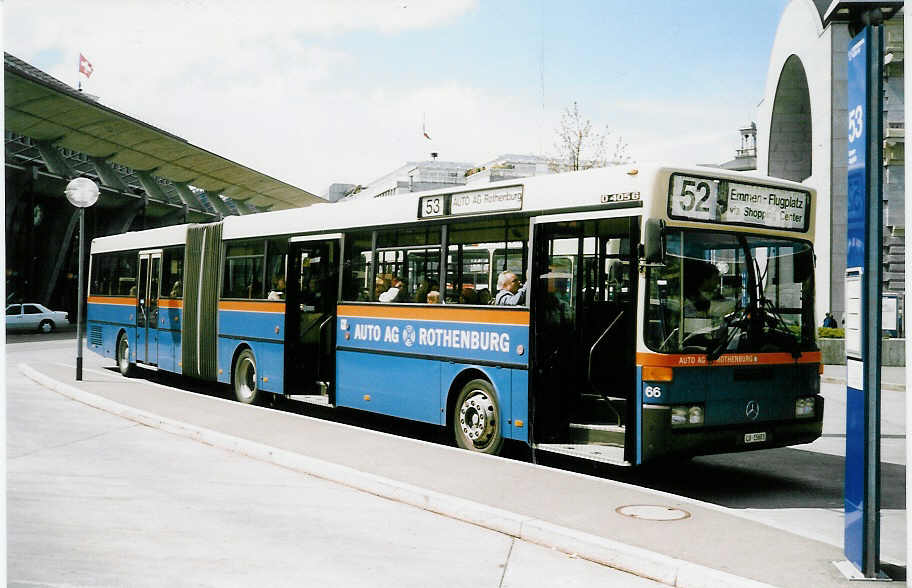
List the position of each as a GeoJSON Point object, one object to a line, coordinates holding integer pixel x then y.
{"type": "Point", "coordinates": [82, 193]}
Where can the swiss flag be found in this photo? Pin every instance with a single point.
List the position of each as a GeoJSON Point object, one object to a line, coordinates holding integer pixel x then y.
{"type": "Point", "coordinates": [85, 67]}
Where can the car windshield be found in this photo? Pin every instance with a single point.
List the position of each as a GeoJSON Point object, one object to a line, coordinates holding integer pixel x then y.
{"type": "Point", "coordinates": [723, 292]}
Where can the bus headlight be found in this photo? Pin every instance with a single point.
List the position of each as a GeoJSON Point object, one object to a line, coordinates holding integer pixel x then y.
{"type": "Point", "coordinates": [804, 407]}
{"type": "Point", "coordinates": [678, 416]}
{"type": "Point", "coordinates": [687, 416]}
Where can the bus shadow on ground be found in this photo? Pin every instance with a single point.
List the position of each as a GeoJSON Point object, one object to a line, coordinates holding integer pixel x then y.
{"type": "Point", "coordinates": [772, 478]}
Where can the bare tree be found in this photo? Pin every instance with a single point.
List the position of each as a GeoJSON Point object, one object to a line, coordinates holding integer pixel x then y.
{"type": "Point", "coordinates": [621, 156]}
{"type": "Point", "coordinates": [580, 146]}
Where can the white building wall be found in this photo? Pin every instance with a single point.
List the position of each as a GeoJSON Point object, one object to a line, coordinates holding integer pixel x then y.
{"type": "Point", "coordinates": [801, 34]}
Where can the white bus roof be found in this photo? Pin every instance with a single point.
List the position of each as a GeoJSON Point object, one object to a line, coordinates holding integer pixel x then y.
{"type": "Point", "coordinates": [555, 192]}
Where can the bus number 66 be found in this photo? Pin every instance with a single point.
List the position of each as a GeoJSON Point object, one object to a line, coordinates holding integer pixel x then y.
{"type": "Point", "coordinates": [653, 392]}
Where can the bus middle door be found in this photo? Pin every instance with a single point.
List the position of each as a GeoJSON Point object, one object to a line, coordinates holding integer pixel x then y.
{"type": "Point", "coordinates": [147, 306]}
{"type": "Point", "coordinates": [313, 291]}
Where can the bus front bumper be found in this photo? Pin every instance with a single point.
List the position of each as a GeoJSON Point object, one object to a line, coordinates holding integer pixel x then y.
{"type": "Point", "coordinates": [661, 441]}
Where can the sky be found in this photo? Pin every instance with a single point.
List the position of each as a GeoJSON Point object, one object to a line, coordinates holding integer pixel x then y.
{"type": "Point", "coordinates": [313, 92]}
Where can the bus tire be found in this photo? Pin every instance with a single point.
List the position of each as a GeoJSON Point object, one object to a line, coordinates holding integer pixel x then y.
{"type": "Point", "coordinates": [245, 377]}
{"type": "Point", "coordinates": [476, 418]}
{"type": "Point", "coordinates": [123, 356]}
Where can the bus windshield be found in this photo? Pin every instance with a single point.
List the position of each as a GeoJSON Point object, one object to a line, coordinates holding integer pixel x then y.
{"type": "Point", "coordinates": [725, 292]}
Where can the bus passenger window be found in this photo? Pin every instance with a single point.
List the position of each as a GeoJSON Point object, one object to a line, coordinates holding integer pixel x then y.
{"type": "Point", "coordinates": [113, 274]}
{"type": "Point", "coordinates": [172, 272]}
{"type": "Point", "coordinates": [244, 269]}
{"type": "Point", "coordinates": [408, 264]}
{"type": "Point", "coordinates": [479, 252]}
{"type": "Point", "coordinates": [357, 268]}
{"type": "Point", "coordinates": [276, 254]}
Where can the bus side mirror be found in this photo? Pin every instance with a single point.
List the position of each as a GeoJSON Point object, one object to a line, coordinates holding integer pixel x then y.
{"type": "Point", "coordinates": [654, 241]}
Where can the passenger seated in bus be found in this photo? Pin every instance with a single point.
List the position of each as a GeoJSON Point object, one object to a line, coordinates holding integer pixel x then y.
{"type": "Point", "coordinates": [484, 296]}
{"type": "Point", "coordinates": [278, 289]}
{"type": "Point", "coordinates": [433, 297]}
{"type": "Point", "coordinates": [175, 290]}
{"type": "Point", "coordinates": [509, 291]}
{"type": "Point", "coordinates": [467, 296]}
{"type": "Point", "coordinates": [424, 286]}
{"type": "Point", "coordinates": [382, 285]}
{"type": "Point", "coordinates": [396, 293]}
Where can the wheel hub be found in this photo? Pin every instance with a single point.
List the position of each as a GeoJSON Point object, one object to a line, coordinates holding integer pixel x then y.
{"type": "Point", "coordinates": [476, 418]}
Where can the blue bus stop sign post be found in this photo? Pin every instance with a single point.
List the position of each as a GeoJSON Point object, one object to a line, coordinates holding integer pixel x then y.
{"type": "Point", "coordinates": [863, 302]}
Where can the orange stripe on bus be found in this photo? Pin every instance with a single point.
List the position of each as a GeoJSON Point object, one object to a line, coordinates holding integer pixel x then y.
{"type": "Point", "coordinates": [438, 313]}
{"type": "Point", "coordinates": [165, 303]}
{"type": "Point", "coordinates": [122, 300]}
{"type": "Point", "coordinates": [698, 360]}
{"type": "Point", "coordinates": [277, 306]}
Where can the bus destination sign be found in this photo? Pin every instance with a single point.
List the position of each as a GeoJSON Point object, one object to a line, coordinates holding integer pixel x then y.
{"type": "Point", "coordinates": [722, 201]}
{"type": "Point", "coordinates": [479, 201]}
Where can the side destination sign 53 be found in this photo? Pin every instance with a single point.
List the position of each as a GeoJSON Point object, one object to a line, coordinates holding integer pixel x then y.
{"type": "Point", "coordinates": [491, 200]}
{"type": "Point", "coordinates": [736, 203]}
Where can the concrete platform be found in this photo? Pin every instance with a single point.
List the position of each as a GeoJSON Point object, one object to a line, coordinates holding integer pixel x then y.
{"type": "Point", "coordinates": [712, 546]}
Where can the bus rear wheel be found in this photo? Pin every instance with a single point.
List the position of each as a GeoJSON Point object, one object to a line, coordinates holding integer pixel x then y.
{"type": "Point", "coordinates": [245, 377]}
{"type": "Point", "coordinates": [476, 418]}
{"type": "Point", "coordinates": [123, 356]}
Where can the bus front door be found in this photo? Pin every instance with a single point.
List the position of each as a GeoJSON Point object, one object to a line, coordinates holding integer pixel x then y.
{"type": "Point", "coordinates": [583, 304]}
{"type": "Point", "coordinates": [310, 313]}
{"type": "Point", "coordinates": [147, 306]}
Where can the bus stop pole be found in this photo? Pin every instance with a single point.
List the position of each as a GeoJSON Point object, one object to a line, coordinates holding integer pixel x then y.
{"type": "Point", "coordinates": [907, 107]}
{"type": "Point", "coordinates": [864, 273]}
{"type": "Point", "coordinates": [874, 287]}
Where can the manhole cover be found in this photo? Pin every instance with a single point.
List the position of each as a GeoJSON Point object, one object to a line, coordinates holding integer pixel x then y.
{"type": "Point", "coordinates": [651, 512]}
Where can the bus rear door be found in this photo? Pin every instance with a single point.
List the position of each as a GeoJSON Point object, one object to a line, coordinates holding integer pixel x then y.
{"type": "Point", "coordinates": [583, 302]}
{"type": "Point", "coordinates": [147, 306]}
{"type": "Point", "coordinates": [310, 313]}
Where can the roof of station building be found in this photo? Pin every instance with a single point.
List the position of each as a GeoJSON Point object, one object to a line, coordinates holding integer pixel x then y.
{"type": "Point", "coordinates": [44, 108]}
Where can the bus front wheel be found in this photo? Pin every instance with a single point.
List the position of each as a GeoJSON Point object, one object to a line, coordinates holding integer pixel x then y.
{"type": "Point", "coordinates": [476, 418]}
{"type": "Point", "coordinates": [123, 356]}
{"type": "Point", "coordinates": [245, 377]}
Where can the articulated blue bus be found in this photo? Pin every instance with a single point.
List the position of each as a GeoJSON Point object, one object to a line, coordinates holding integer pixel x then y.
{"type": "Point", "coordinates": [664, 311]}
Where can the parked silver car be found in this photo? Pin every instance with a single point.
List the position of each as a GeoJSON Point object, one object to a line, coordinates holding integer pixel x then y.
{"type": "Point", "coordinates": [34, 317]}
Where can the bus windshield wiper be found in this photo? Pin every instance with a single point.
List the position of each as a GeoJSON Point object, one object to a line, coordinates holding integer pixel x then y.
{"type": "Point", "coordinates": [732, 325]}
{"type": "Point", "coordinates": [779, 325]}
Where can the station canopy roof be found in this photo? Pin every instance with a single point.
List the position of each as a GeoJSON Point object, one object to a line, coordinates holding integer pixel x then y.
{"type": "Point", "coordinates": [44, 108]}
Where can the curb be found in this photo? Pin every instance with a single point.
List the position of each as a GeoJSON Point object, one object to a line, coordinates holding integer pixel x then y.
{"type": "Point", "coordinates": [627, 558]}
